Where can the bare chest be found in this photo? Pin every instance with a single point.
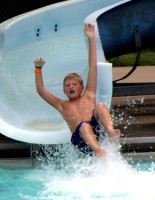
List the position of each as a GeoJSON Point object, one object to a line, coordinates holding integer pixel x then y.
{"type": "Point", "coordinates": [77, 111]}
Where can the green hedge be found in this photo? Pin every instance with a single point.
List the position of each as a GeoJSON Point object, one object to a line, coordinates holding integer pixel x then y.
{"type": "Point", "coordinates": [147, 59]}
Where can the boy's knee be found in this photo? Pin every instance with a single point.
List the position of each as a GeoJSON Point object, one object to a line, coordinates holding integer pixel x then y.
{"type": "Point", "coordinates": [100, 106]}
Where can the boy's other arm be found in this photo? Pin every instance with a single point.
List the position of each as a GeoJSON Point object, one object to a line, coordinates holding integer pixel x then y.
{"type": "Point", "coordinates": [45, 94]}
{"type": "Point", "coordinates": [92, 73]}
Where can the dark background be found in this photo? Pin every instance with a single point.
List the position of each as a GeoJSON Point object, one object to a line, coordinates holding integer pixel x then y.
{"type": "Point", "coordinates": [11, 8]}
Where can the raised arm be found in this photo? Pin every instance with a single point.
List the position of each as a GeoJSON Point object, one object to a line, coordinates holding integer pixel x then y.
{"type": "Point", "coordinates": [45, 94]}
{"type": "Point", "coordinates": [92, 58]}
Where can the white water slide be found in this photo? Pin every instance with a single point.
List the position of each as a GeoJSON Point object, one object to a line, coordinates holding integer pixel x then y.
{"type": "Point", "coordinates": [54, 32]}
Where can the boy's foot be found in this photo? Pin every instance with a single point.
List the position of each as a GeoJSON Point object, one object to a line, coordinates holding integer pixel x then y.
{"type": "Point", "coordinates": [114, 135]}
{"type": "Point", "coordinates": [100, 153]}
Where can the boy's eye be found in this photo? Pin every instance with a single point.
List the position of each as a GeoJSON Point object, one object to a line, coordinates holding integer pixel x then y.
{"type": "Point", "coordinates": [67, 85]}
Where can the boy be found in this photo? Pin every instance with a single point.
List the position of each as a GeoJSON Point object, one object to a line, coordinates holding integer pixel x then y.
{"type": "Point", "coordinates": [81, 112]}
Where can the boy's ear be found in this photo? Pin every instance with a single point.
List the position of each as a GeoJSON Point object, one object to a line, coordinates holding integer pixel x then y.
{"type": "Point", "coordinates": [82, 88]}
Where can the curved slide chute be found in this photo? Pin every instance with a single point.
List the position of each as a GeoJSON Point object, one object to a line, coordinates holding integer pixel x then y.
{"type": "Point", "coordinates": [60, 40]}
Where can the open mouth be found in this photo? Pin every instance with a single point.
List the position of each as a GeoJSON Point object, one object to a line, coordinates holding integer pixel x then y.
{"type": "Point", "coordinates": [71, 91]}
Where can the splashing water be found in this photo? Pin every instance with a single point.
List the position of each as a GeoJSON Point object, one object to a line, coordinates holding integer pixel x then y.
{"type": "Point", "coordinates": [66, 174]}
{"type": "Point", "coordinates": [77, 177]}
{"type": "Point", "coordinates": [119, 117]}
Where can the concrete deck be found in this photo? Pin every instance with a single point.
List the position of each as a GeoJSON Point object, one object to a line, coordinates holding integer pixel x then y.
{"type": "Point", "coordinates": [140, 132]}
{"type": "Point", "coordinates": [141, 75]}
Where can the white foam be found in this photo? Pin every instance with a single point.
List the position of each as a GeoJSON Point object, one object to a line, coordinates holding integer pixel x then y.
{"type": "Point", "coordinates": [91, 179]}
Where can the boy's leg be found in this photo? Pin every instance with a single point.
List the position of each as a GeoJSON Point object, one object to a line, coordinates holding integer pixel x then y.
{"type": "Point", "coordinates": [90, 139]}
{"type": "Point", "coordinates": [102, 113]}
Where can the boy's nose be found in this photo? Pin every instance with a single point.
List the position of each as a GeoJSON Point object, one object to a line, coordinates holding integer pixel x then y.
{"type": "Point", "coordinates": [71, 87]}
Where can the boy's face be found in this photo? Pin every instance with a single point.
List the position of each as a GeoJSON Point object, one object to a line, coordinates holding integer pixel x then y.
{"type": "Point", "coordinates": [73, 88]}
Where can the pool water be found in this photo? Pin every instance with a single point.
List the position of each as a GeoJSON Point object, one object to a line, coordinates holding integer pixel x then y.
{"type": "Point", "coordinates": [66, 175]}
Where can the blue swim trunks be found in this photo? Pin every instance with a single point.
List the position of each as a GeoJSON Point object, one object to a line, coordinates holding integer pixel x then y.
{"type": "Point", "coordinates": [77, 140]}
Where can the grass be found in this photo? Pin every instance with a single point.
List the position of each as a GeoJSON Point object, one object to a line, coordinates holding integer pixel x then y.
{"type": "Point", "coordinates": [147, 59]}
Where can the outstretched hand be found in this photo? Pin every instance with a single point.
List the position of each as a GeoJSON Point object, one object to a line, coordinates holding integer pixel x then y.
{"type": "Point", "coordinates": [89, 31]}
{"type": "Point", "coordinates": [39, 62]}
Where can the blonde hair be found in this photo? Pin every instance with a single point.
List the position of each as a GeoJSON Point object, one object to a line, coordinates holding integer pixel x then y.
{"type": "Point", "coordinates": [73, 75]}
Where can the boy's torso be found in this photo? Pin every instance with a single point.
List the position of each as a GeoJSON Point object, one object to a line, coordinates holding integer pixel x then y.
{"type": "Point", "coordinates": [78, 110]}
